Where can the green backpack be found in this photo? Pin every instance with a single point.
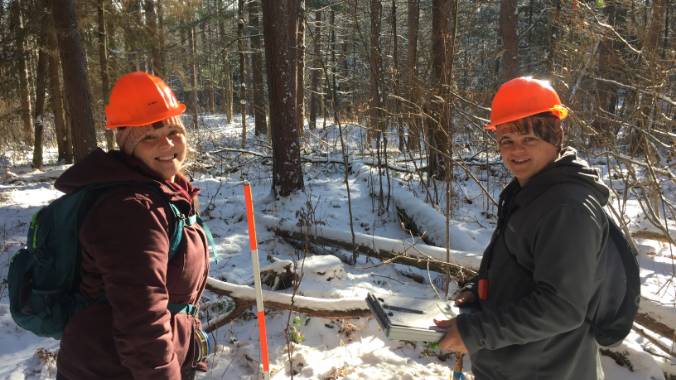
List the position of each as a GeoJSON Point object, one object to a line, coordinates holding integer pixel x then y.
{"type": "Point", "coordinates": [44, 276]}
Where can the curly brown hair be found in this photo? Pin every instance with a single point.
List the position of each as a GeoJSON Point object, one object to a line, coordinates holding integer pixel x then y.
{"type": "Point", "coordinates": [546, 126]}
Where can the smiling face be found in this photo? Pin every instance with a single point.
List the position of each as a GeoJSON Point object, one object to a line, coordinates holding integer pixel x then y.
{"type": "Point", "coordinates": [163, 149]}
{"type": "Point", "coordinates": [523, 152]}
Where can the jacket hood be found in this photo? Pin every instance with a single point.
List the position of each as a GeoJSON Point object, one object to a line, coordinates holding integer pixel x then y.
{"type": "Point", "coordinates": [116, 166]}
{"type": "Point", "coordinates": [568, 168]}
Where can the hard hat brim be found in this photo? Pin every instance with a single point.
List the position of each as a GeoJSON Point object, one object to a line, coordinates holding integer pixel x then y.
{"type": "Point", "coordinates": [558, 110]}
{"type": "Point", "coordinates": [180, 109]}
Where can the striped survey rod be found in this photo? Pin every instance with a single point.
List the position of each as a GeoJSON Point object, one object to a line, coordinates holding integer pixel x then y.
{"type": "Point", "coordinates": [253, 243]}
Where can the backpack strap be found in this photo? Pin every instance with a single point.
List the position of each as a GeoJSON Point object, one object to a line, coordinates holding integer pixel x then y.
{"type": "Point", "coordinates": [182, 308]}
{"type": "Point", "coordinates": [180, 222]}
{"type": "Point", "coordinates": [176, 237]}
{"type": "Point", "coordinates": [210, 237]}
{"type": "Point", "coordinates": [177, 234]}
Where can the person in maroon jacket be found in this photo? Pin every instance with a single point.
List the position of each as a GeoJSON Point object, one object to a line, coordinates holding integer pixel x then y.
{"type": "Point", "coordinates": [143, 324]}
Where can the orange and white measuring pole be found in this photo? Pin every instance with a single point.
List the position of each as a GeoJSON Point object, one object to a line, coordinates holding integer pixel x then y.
{"type": "Point", "coordinates": [256, 267]}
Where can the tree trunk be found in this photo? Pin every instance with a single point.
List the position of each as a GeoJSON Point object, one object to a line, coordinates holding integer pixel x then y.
{"type": "Point", "coordinates": [212, 95]}
{"type": "Point", "coordinates": [280, 20]}
{"type": "Point", "coordinates": [194, 93]}
{"type": "Point", "coordinates": [226, 80]}
{"type": "Point", "coordinates": [207, 58]}
{"type": "Point", "coordinates": [75, 78]}
{"type": "Point", "coordinates": [639, 143]}
{"type": "Point", "coordinates": [654, 30]}
{"type": "Point", "coordinates": [114, 67]}
{"type": "Point", "coordinates": [606, 94]}
{"type": "Point", "coordinates": [316, 71]}
{"type": "Point", "coordinates": [260, 116]}
{"type": "Point", "coordinates": [161, 37]}
{"type": "Point", "coordinates": [665, 38]}
{"type": "Point", "coordinates": [23, 72]}
{"type": "Point", "coordinates": [554, 34]}
{"type": "Point", "coordinates": [228, 89]}
{"type": "Point", "coordinates": [316, 307]}
{"type": "Point", "coordinates": [300, 68]}
{"type": "Point", "coordinates": [510, 43]}
{"type": "Point", "coordinates": [346, 86]}
{"type": "Point", "coordinates": [609, 65]}
{"type": "Point", "coordinates": [375, 71]}
{"type": "Point", "coordinates": [444, 14]}
{"type": "Point", "coordinates": [242, 67]}
{"type": "Point", "coordinates": [103, 64]}
{"type": "Point", "coordinates": [62, 130]}
{"type": "Point", "coordinates": [396, 76]}
{"type": "Point", "coordinates": [204, 55]}
{"type": "Point", "coordinates": [154, 40]}
{"type": "Point", "coordinates": [132, 31]}
{"type": "Point", "coordinates": [334, 64]}
{"type": "Point", "coordinates": [40, 88]}
{"type": "Point", "coordinates": [411, 78]}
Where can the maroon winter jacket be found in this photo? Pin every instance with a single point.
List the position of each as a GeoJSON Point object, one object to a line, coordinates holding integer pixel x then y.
{"type": "Point", "coordinates": [125, 242]}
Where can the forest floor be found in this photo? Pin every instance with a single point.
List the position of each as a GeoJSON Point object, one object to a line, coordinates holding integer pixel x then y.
{"type": "Point", "coordinates": [304, 347]}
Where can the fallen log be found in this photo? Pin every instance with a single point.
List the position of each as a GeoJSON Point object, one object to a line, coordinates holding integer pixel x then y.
{"type": "Point", "coordinates": [652, 315]}
{"type": "Point", "coordinates": [651, 323]}
{"type": "Point", "coordinates": [309, 159]}
{"type": "Point", "coordinates": [430, 224]}
{"type": "Point", "coordinates": [312, 306]}
{"type": "Point", "coordinates": [641, 331]}
{"type": "Point", "coordinates": [240, 307]}
{"type": "Point", "coordinates": [244, 297]}
{"type": "Point", "coordinates": [463, 265]}
{"type": "Point", "coordinates": [652, 235]}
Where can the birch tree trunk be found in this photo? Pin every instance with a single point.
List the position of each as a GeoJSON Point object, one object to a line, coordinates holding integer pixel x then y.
{"type": "Point", "coordinates": [396, 74]}
{"type": "Point", "coordinates": [316, 71]}
{"type": "Point", "coordinates": [242, 68]}
{"type": "Point", "coordinates": [103, 65]}
{"type": "Point", "coordinates": [300, 68]}
{"type": "Point", "coordinates": [40, 87]}
{"type": "Point", "coordinates": [112, 43]}
{"type": "Point", "coordinates": [260, 116]}
{"type": "Point", "coordinates": [414, 127]}
{"type": "Point", "coordinates": [334, 64]}
{"type": "Point", "coordinates": [226, 79]}
{"type": "Point", "coordinates": [375, 70]}
{"type": "Point", "coordinates": [193, 63]}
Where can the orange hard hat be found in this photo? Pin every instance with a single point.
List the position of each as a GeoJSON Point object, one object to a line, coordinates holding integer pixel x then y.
{"type": "Point", "coordinates": [522, 97]}
{"type": "Point", "coordinates": [139, 99]}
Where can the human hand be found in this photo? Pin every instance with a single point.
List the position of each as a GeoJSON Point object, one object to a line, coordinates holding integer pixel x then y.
{"type": "Point", "coordinates": [464, 297]}
{"type": "Point", "coordinates": [452, 341]}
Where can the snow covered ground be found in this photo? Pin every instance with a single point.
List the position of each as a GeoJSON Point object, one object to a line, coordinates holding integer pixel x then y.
{"type": "Point", "coordinates": [308, 347]}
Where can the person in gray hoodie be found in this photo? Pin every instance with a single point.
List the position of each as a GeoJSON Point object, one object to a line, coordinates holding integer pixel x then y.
{"type": "Point", "coordinates": [537, 282]}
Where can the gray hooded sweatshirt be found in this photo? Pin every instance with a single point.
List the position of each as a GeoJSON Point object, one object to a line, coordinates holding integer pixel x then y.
{"type": "Point", "coordinates": [542, 272]}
